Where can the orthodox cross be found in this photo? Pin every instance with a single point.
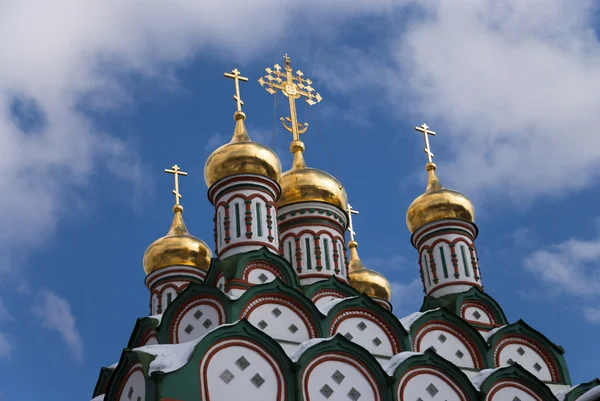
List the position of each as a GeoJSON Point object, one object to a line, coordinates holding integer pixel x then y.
{"type": "Point", "coordinates": [176, 171]}
{"type": "Point", "coordinates": [426, 132]}
{"type": "Point", "coordinates": [351, 211]}
{"type": "Point", "coordinates": [235, 75]}
{"type": "Point", "coordinates": [293, 87]}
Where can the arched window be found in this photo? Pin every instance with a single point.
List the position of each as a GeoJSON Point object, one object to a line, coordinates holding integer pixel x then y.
{"type": "Point", "coordinates": [134, 387]}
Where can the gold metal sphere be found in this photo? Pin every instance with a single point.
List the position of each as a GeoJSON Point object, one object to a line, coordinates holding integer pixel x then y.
{"type": "Point", "coordinates": [311, 185]}
{"type": "Point", "coordinates": [369, 282]}
{"type": "Point", "coordinates": [241, 155]}
{"type": "Point", "coordinates": [438, 203]}
{"type": "Point", "coordinates": [177, 248]}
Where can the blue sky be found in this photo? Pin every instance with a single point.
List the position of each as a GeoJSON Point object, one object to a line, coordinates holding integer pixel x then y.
{"type": "Point", "coordinates": [99, 99]}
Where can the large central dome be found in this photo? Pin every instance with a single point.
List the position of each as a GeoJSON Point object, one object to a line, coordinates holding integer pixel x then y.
{"type": "Point", "coordinates": [311, 185]}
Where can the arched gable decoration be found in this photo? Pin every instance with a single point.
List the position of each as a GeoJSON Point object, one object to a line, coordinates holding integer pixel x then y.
{"type": "Point", "coordinates": [330, 287]}
{"type": "Point", "coordinates": [144, 329]}
{"type": "Point", "coordinates": [103, 381]}
{"type": "Point", "coordinates": [456, 302]}
{"type": "Point", "coordinates": [277, 292]}
{"type": "Point", "coordinates": [511, 375]}
{"type": "Point", "coordinates": [188, 381]}
{"type": "Point", "coordinates": [352, 360]}
{"type": "Point", "coordinates": [432, 364]}
{"type": "Point", "coordinates": [194, 295]}
{"type": "Point", "coordinates": [521, 332]}
{"type": "Point", "coordinates": [580, 390]}
{"type": "Point", "coordinates": [443, 319]}
{"type": "Point", "coordinates": [363, 306]}
{"type": "Point", "coordinates": [130, 363]}
{"type": "Point", "coordinates": [235, 268]}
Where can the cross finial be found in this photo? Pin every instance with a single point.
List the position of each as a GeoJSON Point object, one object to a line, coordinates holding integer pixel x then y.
{"type": "Point", "coordinates": [351, 211]}
{"type": "Point", "coordinates": [293, 87]}
{"type": "Point", "coordinates": [176, 171]}
{"type": "Point", "coordinates": [426, 132]}
{"type": "Point", "coordinates": [235, 75]}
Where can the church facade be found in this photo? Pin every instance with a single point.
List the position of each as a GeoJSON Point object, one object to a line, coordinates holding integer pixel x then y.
{"type": "Point", "coordinates": [284, 308]}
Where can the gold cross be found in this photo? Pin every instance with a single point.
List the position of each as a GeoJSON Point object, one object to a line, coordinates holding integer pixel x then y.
{"type": "Point", "coordinates": [426, 132]}
{"type": "Point", "coordinates": [235, 75]}
{"type": "Point", "coordinates": [350, 226]}
{"type": "Point", "coordinates": [175, 170]}
{"type": "Point", "coordinates": [293, 87]}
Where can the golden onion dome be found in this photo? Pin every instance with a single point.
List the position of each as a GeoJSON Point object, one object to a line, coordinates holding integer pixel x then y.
{"type": "Point", "coordinates": [438, 203]}
{"type": "Point", "coordinates": [241, 155]}
{"type": "Point", "coordinates": [305, 184]}
{"type": "Point", "coordinates": [364, 280]}
{"type": "Point", "coordinates": [177, 248]}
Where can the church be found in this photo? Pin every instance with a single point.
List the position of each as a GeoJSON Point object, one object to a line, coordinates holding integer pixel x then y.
{"type": "Point", "coordinates": [283, 309]}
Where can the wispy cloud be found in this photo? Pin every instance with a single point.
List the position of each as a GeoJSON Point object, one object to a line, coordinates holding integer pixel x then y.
{"type": "Point", "coordinates": [55, 312]}
{"type": "Point", "coordinates": [406, 297]}
{"type": "Point", "coordinates": [6, 347]}
{"type": "Point", "coordinates": [4, 313]}
{"type": "Point", "coordinates": [573, 268]}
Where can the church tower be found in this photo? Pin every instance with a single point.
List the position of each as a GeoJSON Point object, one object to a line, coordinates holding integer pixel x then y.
{"type": "Point", "coordinates": [175, 260]}
{"type": "Point", "coordinates": [312, 209]}
{"type": "Point", "coordinates": [442, 224]}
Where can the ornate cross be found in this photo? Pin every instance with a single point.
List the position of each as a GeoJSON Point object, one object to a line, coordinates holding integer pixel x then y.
{"type": "Point", "coordinates": [426, 132]}
{"type": "Point", "coordinates": [350, 226]}
{"type": "Point", "coordinates": [293, 87]}
{"type": "Point", "coordinates": [235, 75]}
{"type": "Point", "coordinates": [175, 170]}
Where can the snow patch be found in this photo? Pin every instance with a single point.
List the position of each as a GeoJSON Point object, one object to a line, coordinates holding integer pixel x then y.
{"type": "Point", "coordinates": [172, 357]}
{"type": "Point", "coordinates": [487, 335]}
{"type": "Point", "coordinates": [98, 398]}
{"type": "Point", "coordinates": [591, 395]}
{"type": "Point", "coordinates": [157, 317]}
{"type": "Point", "coordinates": [114, 366]}
{"type": "Point", "coordinates": [561, 395]}
{"type": "Point", "coordinates": [297, 352]}
{"type": "Point", "coordinates": [480, 377]}
{"type": "Point", "coordinates": [397, 360]}
{"type": "Point", "coordinates": [324, 309]}
{"type": "Point", "coordinates": [408, 321]}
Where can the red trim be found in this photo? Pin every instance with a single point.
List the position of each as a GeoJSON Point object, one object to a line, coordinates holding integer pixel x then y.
{"type": "Point", "coordinates": [323, 230]}
{"type": "Point", "coordinates": [279, 299]}
{"type": "Point", "coordinates": [454, 259]}
{"type": "Point", "coordinates": [194, 303]}
{"type": "Point", "coordinates": [325, 293]}
{"type": "Point", "coordinates": [266, 181]}
{"type": "Point", "coordinates": [261, 264]}
{"type": "Point", "coordinates": [469, 227]}
{"type": "Point", "coordinates": [421, 273]}
{"type": "Point", "coordinates": [420, 370]}
{"type": "Point", "coordinates": [321, 275]}
{"type": "Point", "coordinates": [474, 263]}
{"type": "Point", "coordinates": [292, 221]}
{"type": "Point", "coordinates": [450, 329]}
{"type": "Point", "coordinates": [270, 223]}
{"type": "Point", "coordinates": [475, 304]}
{"type": "Point", "coordinates": [366, 314]}
{"type": "Point", "coordinates": [147, 336]}
{"type": "Point", "coordinates": [134, 369]}
{"type": "Point", "coordinates": [510, 383]}
{"type": "Point", "coordinates": [432, 266]}
{"type": "Point", "coordinates": [157, 275]}
{"type": "Point", "coordinates": [338, 357]}
{"type": "Point", "coordinates": [540, 349]}
{"type": "Point", "coordinates": [227, 224]}
{"type": "Point", "coordinates": [437, 287]}
{"type": "Point", "coordinates": [318, 265]}
{"type": "Point", "coordinates": [232, 342]}
{"type": "Point", "coordinates": [298, 254]}
{"type": "Point", "coordinates": [248, 243]}
{"type": "Point", "coordinates": [336, 256]}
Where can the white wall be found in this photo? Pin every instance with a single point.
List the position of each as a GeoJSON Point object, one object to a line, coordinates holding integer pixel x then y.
{"type": "Point", "coordinates": [135, 385]}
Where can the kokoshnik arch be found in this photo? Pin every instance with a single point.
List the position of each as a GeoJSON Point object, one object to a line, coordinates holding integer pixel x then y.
{"type": "Point", "coordinates": [279, 312]}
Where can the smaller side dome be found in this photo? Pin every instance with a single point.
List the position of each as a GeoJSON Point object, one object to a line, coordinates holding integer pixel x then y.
{"type": "Point", "coordinates": [177, 248]}
{"type": "Point", "coordinates": [241, 155]}
{"type": "Point", "coordinates": [438, 203]}
{"type": "Point", "coordinates": [370, 282]}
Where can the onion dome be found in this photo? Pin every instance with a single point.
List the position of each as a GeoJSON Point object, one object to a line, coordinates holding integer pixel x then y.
{"type": "Point", "coordinates": [305, 184]}
{"type": "Point", "coordinates": [241, 156]}
{"type": "Point", "coordinates": [438, 203]}
{"type": "Point", "coordinates": [177, 248]}
{"type": "Point", "coordinates": [367, 281]}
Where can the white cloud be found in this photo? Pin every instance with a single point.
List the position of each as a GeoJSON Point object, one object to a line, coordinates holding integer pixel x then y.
{"type": "Point", "coordinates": [592, 315]}
{"type": "Point", "coordinates": [56, 314]}
{"type": "Point", "coordinates": [5, 346]}
{"type": "Point", "coordinates": [407, 297]}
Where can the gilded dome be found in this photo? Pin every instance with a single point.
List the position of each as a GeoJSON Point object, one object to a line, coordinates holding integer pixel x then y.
{"type": "Point", "coordinates": [177, 248]}
{"type": "Point", "coordinates": [438, 203]}
{"type": "Point", "coordinates": [241, 155]}
{"type": "Point", "coordinates": [364, 280]}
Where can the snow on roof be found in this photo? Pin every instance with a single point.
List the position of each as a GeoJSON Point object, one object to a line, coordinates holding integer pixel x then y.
{"type": "Point", "coordinates": [591, 395]}
{"type": "Point", "coordinates": [397, 359]}
{"type": "Point", "coordinates": [324, 309]}
{"type": "Point", "coordinates": [172, 357]}
{"type": "Point", "coordinates": [114, 366]}
{"type": "Point", "coordinates": [561, 395]}
{"type": "Point", "coordinates": [296, 353]}
{"type": "Point", "coordinates": [480, 377]}
{"type": "Point", "coordinates": [98, 398]}
{"type": "Point", "coordinates": [487, 335]}
{"type": "Point", "coordinates": [407, 321]}
{"type": "Point", "coordinates": [157, 317]}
